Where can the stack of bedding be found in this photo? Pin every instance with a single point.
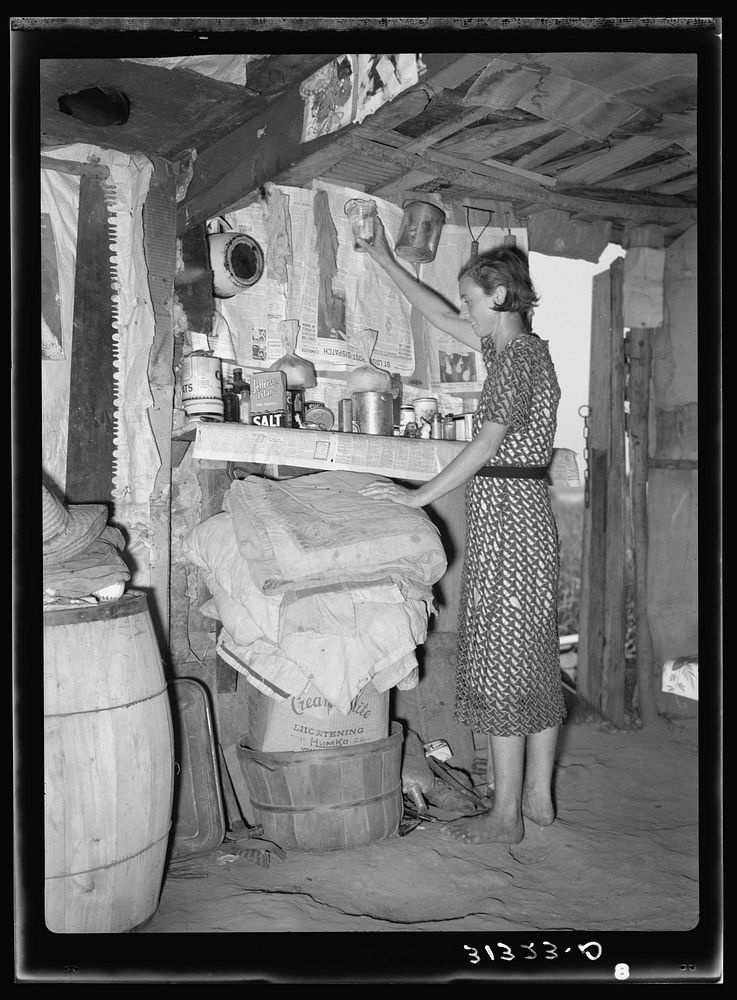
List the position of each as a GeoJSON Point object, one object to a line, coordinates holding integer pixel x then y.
{"type": "Point", "coordinates": [323, 595]}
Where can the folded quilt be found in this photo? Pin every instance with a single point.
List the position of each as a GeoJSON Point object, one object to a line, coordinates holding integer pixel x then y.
{"type": "Point", "coordinates": [212, 546]}
{"type": "Point", "coordinates": [320, 529]}
{"type": "Point", "coordinates": [321, 608]}
{"type": "Point", "coordinates": [271, 669]}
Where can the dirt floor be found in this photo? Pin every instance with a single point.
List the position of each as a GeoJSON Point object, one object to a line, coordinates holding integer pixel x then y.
{"type": "Point", "coordinates": [622, 856]}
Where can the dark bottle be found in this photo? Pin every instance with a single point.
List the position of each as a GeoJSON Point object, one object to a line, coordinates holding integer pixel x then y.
{"type": "Point", "coordinates": [397, 387]}
{"type": "Point", "coordinates": [231, 404]}
{"type": "Point", "coordinates": [243, 392]}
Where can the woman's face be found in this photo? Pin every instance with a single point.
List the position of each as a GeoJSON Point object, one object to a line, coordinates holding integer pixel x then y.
{"type": "Point", "coordinates": [477, 308]}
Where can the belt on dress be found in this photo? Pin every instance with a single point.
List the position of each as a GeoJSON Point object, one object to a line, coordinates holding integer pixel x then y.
{"type": "Point", "coordinates": [513, 471]}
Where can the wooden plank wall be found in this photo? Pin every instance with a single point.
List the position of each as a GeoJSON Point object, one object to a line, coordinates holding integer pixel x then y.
{"type": "Point", "coordinates": [600, 678]}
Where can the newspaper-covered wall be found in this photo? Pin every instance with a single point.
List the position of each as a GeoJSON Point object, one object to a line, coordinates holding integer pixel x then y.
{"type": "Point", "coordinates": [334, 298]}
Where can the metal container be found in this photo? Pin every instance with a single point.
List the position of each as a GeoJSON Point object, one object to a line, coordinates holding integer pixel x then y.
{"type": "Point", "coordinates": [419, 233]}
{"type": "Point", "coordinates": [345, 415]}
{"type": "Point", "coordinates": [201, 380]}
{"type": "Point", "coordinates": [373, 413]}
{"type": "Point", "coordinates": [236, 260]}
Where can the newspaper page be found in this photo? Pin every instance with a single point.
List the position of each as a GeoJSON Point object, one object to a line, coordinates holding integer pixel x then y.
{"type": "Point", "coordinates": [369, 298]}
{"type": "Point", "coordinates": [398, 457]}
{"type": "Point", "coordinates": [455, 369]}
{"type": "Point", "coordinates": [410, 459]}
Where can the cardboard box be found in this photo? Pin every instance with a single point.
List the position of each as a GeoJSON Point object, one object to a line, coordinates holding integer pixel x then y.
{"type": "Point", "coordinates": [308, 722]}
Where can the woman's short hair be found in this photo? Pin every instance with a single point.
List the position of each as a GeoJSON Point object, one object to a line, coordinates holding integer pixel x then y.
{"type": "Point", "coordinates": [504, 266]}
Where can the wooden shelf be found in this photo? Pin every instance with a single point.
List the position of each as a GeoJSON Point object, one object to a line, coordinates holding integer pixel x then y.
{"type": "Point", "coordinates": [410, 459]}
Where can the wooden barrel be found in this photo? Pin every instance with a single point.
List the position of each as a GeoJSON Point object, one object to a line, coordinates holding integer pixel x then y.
{"type": "Point", "coordinates": [324, 800]}
{"type": "Point", "coordinates": [108, 767]}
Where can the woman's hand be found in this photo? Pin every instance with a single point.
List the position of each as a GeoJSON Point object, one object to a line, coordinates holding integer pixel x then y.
{"type": "Point", "coordinates": [379, 250]}
{"type": "Point", "coordinates": [381, 490]}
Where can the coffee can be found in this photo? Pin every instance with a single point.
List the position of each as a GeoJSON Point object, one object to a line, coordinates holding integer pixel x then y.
{"type": "Point", "coordinates": [201, 380]}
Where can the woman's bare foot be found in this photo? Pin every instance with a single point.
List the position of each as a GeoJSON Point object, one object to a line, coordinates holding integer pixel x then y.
{"type": "Point", "coordinates": [489, 828]}
{"type": "Point", "coordinates": [538, 807]}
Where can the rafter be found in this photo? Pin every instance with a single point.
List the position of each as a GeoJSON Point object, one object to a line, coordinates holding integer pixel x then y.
{"type": "Point", "coordinates": [269, 146]}
{"type": "Point", "coordinates": [509, 187]}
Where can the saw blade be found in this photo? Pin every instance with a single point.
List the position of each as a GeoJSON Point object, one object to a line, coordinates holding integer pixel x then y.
{"type": "Point", "coordinates": [94, 395]}
{"type": "Point", "coordinates": [111, 202]}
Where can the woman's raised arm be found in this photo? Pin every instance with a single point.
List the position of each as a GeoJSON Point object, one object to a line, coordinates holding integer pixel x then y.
{"type": "Point", "coordinates": [432, 305]}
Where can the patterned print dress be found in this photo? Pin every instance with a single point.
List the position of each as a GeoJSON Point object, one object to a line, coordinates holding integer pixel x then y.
{"type": "Point", "coordinates": [508, 680]}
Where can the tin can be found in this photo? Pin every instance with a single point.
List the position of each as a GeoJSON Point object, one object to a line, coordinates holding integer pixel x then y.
{"type": "Point", "coordinates": [419, 233]}
{"type": "Point", "coordinates": [345, 415]}
{"type": "Point", "coordinates": [436, 428]}
{"type": "Point", "coordinates": [295, 408]}
{"type": "Point", "coordinates": [424, 408]}
{"type": "Point", "coordinates": [202, 386]}
{"type": "Point", "coordinates": [373, 413]}
{"type": "Point", "coordinates": [406, 416]}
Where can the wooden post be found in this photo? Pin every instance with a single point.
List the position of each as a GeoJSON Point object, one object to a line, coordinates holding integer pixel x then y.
{"type": "Point", "coordinates": [600, 679]}
{"type": "Point", "coordinates": [593, 573]}
{"type": "Point", "coordinates": [639, 397]}
{"type": "Point", "coordinates": [612, 701]}
{"type": "Point", "coordinates": [593, 568]}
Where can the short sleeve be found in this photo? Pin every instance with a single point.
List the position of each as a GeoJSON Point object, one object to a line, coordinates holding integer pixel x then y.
{"type": "Point", "coordinates": [509, 398]}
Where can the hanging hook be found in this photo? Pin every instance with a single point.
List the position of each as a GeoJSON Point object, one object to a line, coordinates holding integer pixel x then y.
{"type": "Point", "coordinates": [509, 240]}
{"type": "Point", "coordinates": [475, 240]}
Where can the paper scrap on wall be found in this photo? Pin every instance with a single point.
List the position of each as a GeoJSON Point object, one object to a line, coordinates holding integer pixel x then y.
{"type": "Point", "coordinates": [353, 86]}
{"type": "Point", "coordinates": [455, 369]}
{"type": "Point", "coordinates": [333, 291]}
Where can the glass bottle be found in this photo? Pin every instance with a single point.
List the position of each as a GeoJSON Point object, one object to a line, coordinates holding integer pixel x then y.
{"type": "Point", "coordinates": [243, 392]}
{"type": "Point", "coordinates": [231, 404]}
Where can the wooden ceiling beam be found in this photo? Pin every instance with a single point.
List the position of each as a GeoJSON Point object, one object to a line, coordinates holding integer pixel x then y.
{"type": "Point", "coordinates": [490, 168]}
{"type": "Point", "coordinates": [552, 150]}
{"type": "Point", "coordinates": [656, 173]}
{"type": "Point", "coordinates": [269, 146]}
{"type": "Point", "coordinates": [492, 140]}
{"type": "Point", "coordinates": [406, 181]}
{"type": "Point", "coordinates": [511, 187]}
{"type": "Point", "coordinates": [447, 128]}
{"type": "Point", "coordinates": [619, 157]}
{"type": "Point", "coordinates": [687, 183]}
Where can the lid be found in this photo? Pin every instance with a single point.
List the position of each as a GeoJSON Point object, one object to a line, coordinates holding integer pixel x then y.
{"type": "Point", "coordinates": [198, 817]}
{"type": "Point", "coordinates": [321, 416]}
{"type": "Point", "coordinates": [424, 201]}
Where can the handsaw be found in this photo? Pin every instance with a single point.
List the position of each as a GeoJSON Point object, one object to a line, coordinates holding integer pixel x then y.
{"type": "Point", "coordinates": [93, 395]}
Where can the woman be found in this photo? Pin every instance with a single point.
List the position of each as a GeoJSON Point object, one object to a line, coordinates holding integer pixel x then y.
{"type": "Point", "coordinates": [508, 682]}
